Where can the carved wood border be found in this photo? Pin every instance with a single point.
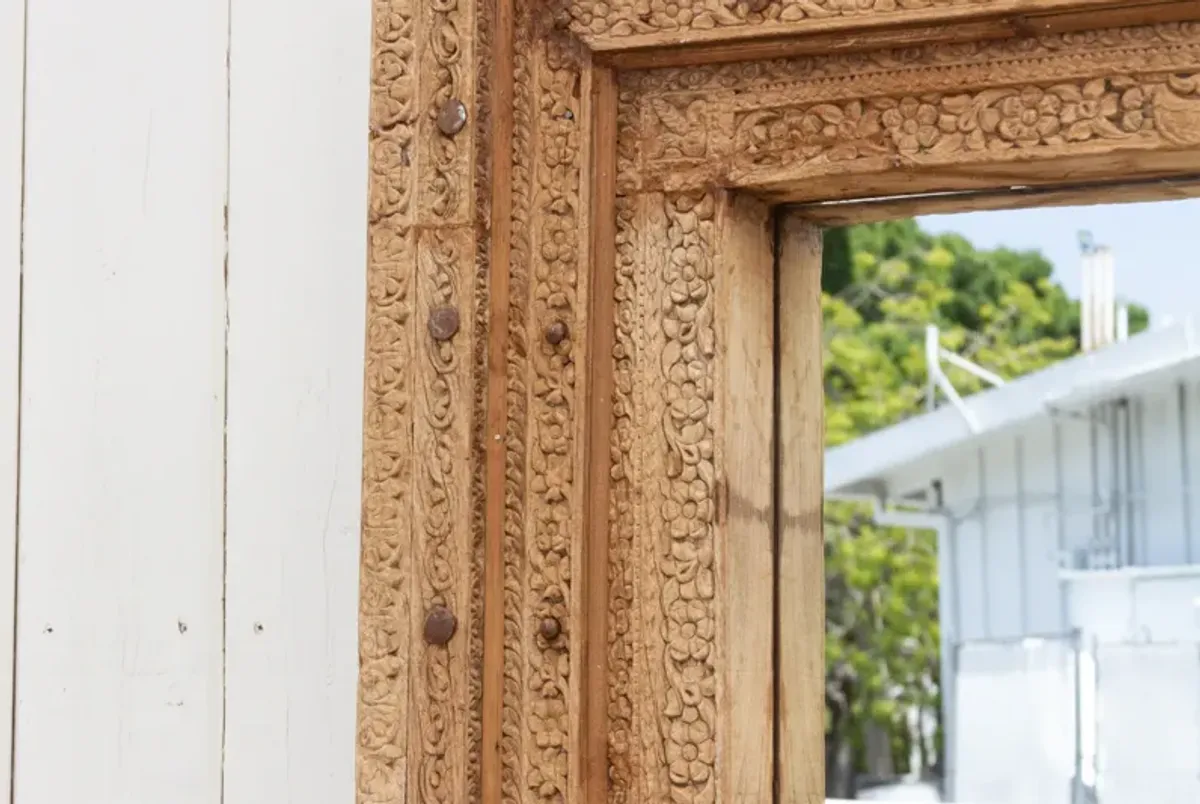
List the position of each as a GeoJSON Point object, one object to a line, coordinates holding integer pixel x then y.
{"type": "Point", "coordinates": [508, 162]}
{"type": "Point", "coordinates": [618, 26]}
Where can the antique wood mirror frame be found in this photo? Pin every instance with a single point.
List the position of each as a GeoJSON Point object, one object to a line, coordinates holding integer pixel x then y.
{"type": "Point", "coordinates": [591, 549]}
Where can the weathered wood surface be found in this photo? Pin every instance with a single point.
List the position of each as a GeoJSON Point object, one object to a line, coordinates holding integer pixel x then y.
{"type": "Point", "coordinates": [577, 471]}
{"type": "Point", "coordinates": [627, 25]}
{"type": "Point", "coordinates": [294, 382]}
{"type": "Point", "coordinates": [692, 542]}
{"type": "Point", "coordinates": [801, 569]}
{"type": "Point", "coordinates": [181, 252]}
{"type": "Point", "coordinates": [119, 618]}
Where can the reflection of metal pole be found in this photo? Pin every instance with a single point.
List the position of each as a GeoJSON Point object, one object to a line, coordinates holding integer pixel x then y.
{"type": "Point", "coordinates": [936, 378]}
{"type": "Point", "coordinates": [971, 368]}
{"type": "Point", "coordinates": [1086, 305]}
{"type": "Point", "coordinates": [1077, 780]}
{"type": "Point", "coordinates": [1104, 322]}
{"type": "Point", "coordinates": [1130, 520]}
{"type": "Point", "coordinates": [1022, 536]}
{"type": "Point", "coordinates": [1094, 698]}
{"type": "Point", "coordinates": [1114, 529]}
{"type": "Point", "coordinates": [1100, 323]}
{"type": "Point", "coordinates": [1110, 297]}
{"type": "Point", "coordinates": [1185, 470]}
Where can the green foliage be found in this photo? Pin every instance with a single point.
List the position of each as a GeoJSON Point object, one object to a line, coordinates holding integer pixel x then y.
{"type": "Point", "coordinates": [836, 271]}
{"type": "Point", "coordinates": [883, 283]}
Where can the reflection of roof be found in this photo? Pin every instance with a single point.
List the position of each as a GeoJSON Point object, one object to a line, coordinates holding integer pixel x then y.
{"type": "Point", "coordinates": [1150, 358]}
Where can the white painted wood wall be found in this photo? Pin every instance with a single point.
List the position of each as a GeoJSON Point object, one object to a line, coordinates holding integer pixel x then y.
{"type": "Point", "coordinates": [182, 290]}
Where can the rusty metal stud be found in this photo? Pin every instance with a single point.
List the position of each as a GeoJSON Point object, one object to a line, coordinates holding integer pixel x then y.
{"type": "Point", "coordinates": [550, 628]}
{"type": "Point", "coordinates": [443, 323]}
{"type": "Point", "coordinates": [556, 333]}
{"type": "Point", "coordinates": [452, 117]}
{"type": "Point", "coordinates": [440, 625]}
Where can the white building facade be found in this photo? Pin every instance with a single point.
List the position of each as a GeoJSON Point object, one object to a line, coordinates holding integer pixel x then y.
{"type": "Point", "coordinates": [1068, 530]}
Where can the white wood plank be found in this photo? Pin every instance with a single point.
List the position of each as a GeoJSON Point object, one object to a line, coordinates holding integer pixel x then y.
{"type": "Point", "coordinates": [12, 128]}
{"type": "Point", "coordinates": [119, 610]}
{"type": "Point", "coordinates": [297, 292]}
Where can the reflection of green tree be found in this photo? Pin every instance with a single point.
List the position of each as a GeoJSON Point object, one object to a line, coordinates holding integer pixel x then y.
{"type": "Point", "coordinates": [883, 283]}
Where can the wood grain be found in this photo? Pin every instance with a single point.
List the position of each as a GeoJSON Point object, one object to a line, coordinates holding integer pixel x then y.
{"type": "Point", "coordinates": [623, 25]}
{"type": "Point", "coordinates": [883, 209]}
{"type": "Point", "coordinates": [12, 137]}
{"type": "Point", "coordinates": [498, 241]}
{"type": "Point", "coordinates": [119, 617]}
{"type": "Point", "coordinates": [801, 579]}
{"type": "Point", "coordinates": [644, 632]}
{"type": "Point", "coordinates": [295, 347]}
{"type": "Point", "coordinates": [810, 44]}
{"type": "Point", "coordinates": [745, 538]}
{"type": "Point", "coordinates": [816, 41]}
{"type": "Point", "coordinates": [930, 118]}
{"type": "Point", "coordinates": [599, 423]}
{"type": "Point", "coordinates": [420, 703]}
{"type": "Point", "coordinates": [691, 545]}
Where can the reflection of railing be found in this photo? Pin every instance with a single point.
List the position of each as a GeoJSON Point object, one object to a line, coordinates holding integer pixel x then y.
{"type": "Point", "coordinates": [934, 355]}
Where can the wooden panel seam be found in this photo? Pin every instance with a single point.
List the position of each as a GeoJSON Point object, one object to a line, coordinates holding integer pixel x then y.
{"type": "Point", "coordinates": [502, 85]}
{"type": "Point", "coordinates": [599, 424]}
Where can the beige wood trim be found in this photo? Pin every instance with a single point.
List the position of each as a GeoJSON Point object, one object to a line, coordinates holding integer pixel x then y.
{"type": "Point", "coordinates": [499, 241]}
{"type": "Point", "coordinates": [745, 532]}
{"type": "Point", "coordinates": [801, 576]}
{"type": "Point", "coordinates": [810, 40]}
{"type": "Point", "coordinates": [490, 453]}
{"type": "Point", "coordinates": [708, 24]}
{"type": "Point", "coordinates": [599, 420]}
{"type": "Point", "coordinates": [1108, 106]}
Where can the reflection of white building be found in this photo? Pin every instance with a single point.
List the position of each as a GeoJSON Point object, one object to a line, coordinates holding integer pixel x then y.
{"type": "Point", "coordinates": [1069, 546]}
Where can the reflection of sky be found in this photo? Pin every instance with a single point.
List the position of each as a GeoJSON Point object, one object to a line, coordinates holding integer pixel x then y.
{"type": "Point", "coordinates": [1155, 246]}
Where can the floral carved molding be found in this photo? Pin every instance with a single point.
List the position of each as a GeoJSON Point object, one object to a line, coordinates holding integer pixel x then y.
{"type": "Point", "coordinates": [621, 24]}
{"type": "Point", "coordinates": [786, 122]}
{"type": "Point", "coordinates": [434, 458]}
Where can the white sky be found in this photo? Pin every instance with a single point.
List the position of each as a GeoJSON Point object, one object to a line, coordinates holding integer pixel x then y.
{"type": "Point", "coordinates": [1155, 246]}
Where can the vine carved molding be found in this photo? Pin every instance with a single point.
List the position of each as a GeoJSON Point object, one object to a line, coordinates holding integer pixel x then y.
{"type": "Point", "coordinates": [811, 128]}
{"type": "Point", "coordinates": [490, 233]}
{"type": "Point", "coordinates": [616, 25]}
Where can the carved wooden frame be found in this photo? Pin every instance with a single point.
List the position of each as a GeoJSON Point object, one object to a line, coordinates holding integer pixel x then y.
{"type": "Point", "coordinates": [549, 182]}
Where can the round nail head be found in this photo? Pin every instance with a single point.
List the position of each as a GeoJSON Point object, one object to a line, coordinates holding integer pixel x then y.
{"type": "Point", "coordinates": [440, 625]}
{"type": "Point", "coordinates": [550, 629]}
{"type": "Point", "coordinates": [556, 333]}
{"type": "Point", "coordinates": [452, 117]}
{"type": "Point", "coordinates": [443, 323]}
